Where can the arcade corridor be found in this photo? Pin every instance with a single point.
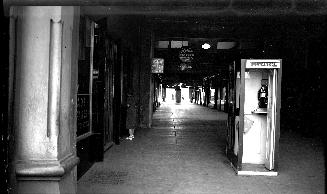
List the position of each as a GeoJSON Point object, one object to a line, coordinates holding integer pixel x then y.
{"type": "Point", "coordinates": [78, 75]}
{"type": "Point", "coordinates": [183, 152]}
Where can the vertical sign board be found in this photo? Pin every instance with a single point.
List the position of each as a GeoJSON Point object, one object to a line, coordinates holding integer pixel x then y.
{"type": "Point", "coordinates": [157, 65]}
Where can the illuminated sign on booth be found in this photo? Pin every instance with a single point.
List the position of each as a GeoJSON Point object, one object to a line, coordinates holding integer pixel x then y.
{"type": "Point", "coordinates": [264, 64]}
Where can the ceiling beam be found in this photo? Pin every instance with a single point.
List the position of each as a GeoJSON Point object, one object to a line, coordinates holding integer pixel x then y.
{"type": "Point", "coordinates": [190, 7]}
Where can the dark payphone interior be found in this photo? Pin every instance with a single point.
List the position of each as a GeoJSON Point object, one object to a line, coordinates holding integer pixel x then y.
{"type": "Point", "coordinates": [263, 94]}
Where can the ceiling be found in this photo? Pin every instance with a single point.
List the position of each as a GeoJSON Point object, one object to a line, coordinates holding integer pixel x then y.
{"type": "Point", "coordinates": [264, 24]}
{"type": "Point", "coordinates": [270, 25]}
{"type": "Point", "coordinates": [197, 7]}
{"type": "Point", "coordinates": [256, 37]}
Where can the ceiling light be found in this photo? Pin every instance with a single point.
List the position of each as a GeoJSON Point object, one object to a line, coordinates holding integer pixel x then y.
{"type": "Point", "coordinates": [206, 46]}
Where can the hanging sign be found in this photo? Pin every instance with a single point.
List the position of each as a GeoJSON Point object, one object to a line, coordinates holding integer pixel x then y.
{"type": "Point", "coordinates": [184, 66]}
{"type": "Point", "coordinates": [263, 63]}
{"type": "Point", "coordinates": [186, 55]}
{"type": "Point", "coordinates": [157, 65]}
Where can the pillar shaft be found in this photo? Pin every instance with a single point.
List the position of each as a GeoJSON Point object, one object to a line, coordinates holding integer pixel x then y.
{"type": "Point", "coordinates": [216, 96]}
{"type": "Point", "coordinates": [45, 156]}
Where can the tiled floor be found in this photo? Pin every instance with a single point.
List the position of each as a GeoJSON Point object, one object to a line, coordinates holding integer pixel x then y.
{"type": "Point", "coordinates": [184, 152]}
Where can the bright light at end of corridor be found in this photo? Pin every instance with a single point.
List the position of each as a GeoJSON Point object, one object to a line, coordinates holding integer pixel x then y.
{"type": "Point", "coordinates": [171, 96]}
{"type": "Point", "coordinates": [206, 46]}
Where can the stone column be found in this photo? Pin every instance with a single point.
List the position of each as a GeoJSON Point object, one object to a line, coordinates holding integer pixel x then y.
{"type": "Point", "coordinates": [216, 96]}
{"type": "Point", "coordinates": [221, 87]}
{"type": "Point", "coordinates": [45, 98]}
{"type": "Point", "coordinates": [208, 94]}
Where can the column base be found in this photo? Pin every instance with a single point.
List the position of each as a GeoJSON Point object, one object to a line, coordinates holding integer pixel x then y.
{"type": "Point", "coordinates": [47, 176]}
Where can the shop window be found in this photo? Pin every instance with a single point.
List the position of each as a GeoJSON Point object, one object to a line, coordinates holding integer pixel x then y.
{"type": "Point", "coordinates": [84, 77]}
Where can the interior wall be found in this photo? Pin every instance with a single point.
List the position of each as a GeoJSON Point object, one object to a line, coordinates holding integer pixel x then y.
{"type": "Point", "coordinates": [254, 137]}
{"type": "Point", "coordinates": [135, 34]}
{"type": "Point", "coordinates": [145, 94]}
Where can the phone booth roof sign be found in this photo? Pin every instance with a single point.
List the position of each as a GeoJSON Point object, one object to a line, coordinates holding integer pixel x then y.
{"type": "Point", "coordinates": [263, 64]}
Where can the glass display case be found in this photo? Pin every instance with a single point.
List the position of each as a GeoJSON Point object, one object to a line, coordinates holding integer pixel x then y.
{"type": "Point", "coordinates": [254, 91]}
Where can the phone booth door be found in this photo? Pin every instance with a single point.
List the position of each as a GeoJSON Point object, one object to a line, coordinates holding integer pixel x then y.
{"type": "Point", "coordinates": [232, 138]}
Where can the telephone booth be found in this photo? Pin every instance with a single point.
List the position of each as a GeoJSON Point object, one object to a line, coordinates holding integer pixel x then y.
{"type": "Point", "coordinates": [254, 93]}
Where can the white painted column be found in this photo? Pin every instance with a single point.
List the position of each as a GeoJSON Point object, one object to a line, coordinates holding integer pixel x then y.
{"type": "Point", "coordinates": [44, 98]}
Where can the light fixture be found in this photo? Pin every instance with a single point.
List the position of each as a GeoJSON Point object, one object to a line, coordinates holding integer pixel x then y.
{"type": "Point", "coordinates": [206, 46]}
